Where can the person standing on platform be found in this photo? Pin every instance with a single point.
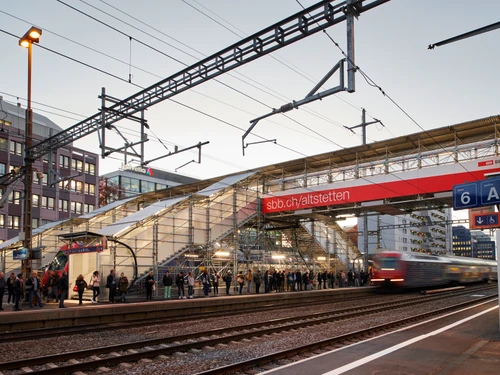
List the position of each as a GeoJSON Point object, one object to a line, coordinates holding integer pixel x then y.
{"type": "Point", "coordinates": [167, 283]}
{"type": "Point", "coordinates": [257, 279]}
{"type": "Point", "coordinates": [2, 288]}
{"type": "Point", "coordinates": [33, 286]}
{"type": "Point", "coordinates": [95, 284]}
{"type": "Point", "coordinates": [298, 280]}
{"type": "Point", "coordinates": [18, 291]}
{"type": "Point", "coordinates": [305, 280]}
{"type": "Point", "coordinates": [215, 281]}
{"type": "Point", "coordinates": [81, 285]}
{"type": "Point", "coordinates": [122, 287]}
{"type": "Point", "coordinates": [205, 279]}
{"type": "Point", "coordinates": [63, 289]}
{"type": "Point", "coordinates": [179, 281]}
{"type": "Point", "coordinates": [10, 288]}
{"type": "Point", "coordinates": [228, 279]}
{"type": "Point", "coordinates": [53, 286]}
{"type": "Point", "coordinates": [111, 285]}
{"type": "Point", "coordinates": [266, 282]}
{"type": "Point", "coordinates": [190, 285]}
{"type": "Point", "coordinates": [240, 279]}
{"type": "Point", "coordinates": [249, 280]}
{"type": "Point", "coordinates": [150, 282]}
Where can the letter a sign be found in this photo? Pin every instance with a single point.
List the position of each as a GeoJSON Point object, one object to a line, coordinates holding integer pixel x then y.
{"type": "Point", "coordinates": [490, 192]}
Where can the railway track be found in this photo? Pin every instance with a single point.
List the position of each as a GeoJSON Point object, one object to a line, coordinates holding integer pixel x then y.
{"type": "Point", "coordinates": [35, 334]}
{"type": "Point", "coordinates": [131, 352]}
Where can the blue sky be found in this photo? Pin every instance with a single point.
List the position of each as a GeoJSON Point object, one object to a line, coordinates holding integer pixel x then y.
{"type": "Point", "coordinates": [451, 84]}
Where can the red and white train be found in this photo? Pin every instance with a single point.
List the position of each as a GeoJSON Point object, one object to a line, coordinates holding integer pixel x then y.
{"type": "Point", "coordinates": [415, 270]}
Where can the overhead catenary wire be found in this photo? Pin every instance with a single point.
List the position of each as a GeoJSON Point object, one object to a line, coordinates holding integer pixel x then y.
{"type": "Point", "coordinates": [305, 155]}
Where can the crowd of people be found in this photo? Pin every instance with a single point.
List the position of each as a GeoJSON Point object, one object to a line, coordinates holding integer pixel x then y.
{"type": "Point", "coordinates": [56, 287]}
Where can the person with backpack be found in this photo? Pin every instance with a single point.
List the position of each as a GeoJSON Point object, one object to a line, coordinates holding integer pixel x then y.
{"type": "Point", "coordinates": [240, 279]}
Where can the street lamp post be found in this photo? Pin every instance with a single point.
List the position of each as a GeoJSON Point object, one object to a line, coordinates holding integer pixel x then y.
{"type": "Point", "coordinates": [31, 36]}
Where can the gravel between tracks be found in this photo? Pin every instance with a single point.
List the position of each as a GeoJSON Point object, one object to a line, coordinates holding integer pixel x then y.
{"type": "Point", "coordinates": [190, 363]}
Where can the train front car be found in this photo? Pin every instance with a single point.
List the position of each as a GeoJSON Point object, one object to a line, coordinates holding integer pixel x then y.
{"type": "Point", "coordinates": [58, 264]}
{"type": "Point", "coordinates": [389, 270]}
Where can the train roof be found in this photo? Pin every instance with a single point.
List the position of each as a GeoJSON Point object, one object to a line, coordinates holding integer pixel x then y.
{"type": "Point", "coordinates": [437, 258]}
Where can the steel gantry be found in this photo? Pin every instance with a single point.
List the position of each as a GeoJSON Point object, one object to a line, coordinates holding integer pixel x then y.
{"type": "Point", "coordinates": [290, 30]}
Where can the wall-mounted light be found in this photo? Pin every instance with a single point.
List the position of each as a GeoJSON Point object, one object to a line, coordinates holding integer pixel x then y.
{"type": "Point", "coordinates": [222, 253]}
{"type": "Point", "coordinates": [278, 256]}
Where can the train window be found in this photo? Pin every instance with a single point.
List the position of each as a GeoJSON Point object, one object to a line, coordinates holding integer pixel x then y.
{"type": "Point", "coordinates": [59, 262]}
{"type": "Point", "coordinates": [387, 263]}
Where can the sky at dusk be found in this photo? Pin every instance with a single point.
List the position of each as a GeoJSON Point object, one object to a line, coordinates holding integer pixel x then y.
{"type": "Point", "coordinates": [448, 85]}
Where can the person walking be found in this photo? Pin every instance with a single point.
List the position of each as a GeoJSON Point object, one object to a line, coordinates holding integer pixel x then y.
{"type": "Point", "coordinates": [215, 282]}
{"type": "Point", "coordinates": [228, 279]}
{"type": "Point", "coordinates": [167, 284]}
{"type": "Point", "coordinates": [10, 288]}
{"type": "Point", "coordinates": [81, 285]}
{"type": "Point", "coordinates": [95, 284]}
{"type": "Point", "coordinates": [63, 289]}
{"type": "Point", "coordinates": [33, 286]}
{"type": "Point", "coordinates": [122, 287]}
{"type": "Point", "coordinates": [150, 283]}
{"type": "Point", "coordinates": [179, 281]}
{"type": "Point", "coordinates": [18, 291]}
{"type": "Point", "coordinates": [2, 288]}
{"type": "Point", "coordinates": [257, 279]}
{"type": "Point", "coordinates": [111, 285]}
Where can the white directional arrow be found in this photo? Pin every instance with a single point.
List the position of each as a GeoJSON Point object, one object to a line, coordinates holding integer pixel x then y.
{"type": "Point", "coordinates": [479, 220]}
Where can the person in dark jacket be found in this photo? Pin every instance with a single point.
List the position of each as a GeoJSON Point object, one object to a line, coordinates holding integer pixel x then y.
{"type": "Point", "coordinates": [228, 279]}
{"type": "Point", "coordinates": [167, 283]}
{"type": "Point", "coordinates": [81, 284]}
{"type": "Point", "coordinates": [63, 289]}
{"type": "Point", "coordinates": [266, 282]}
{"type": "Point", "coordinates": [2, 288]}
{"type": "Point", "coordinates": [257, 279]}
{"type": "Point", "coordinates": [111, 285]}
{"type": "Point", "coordinates": [33, 287]}
{"type": "Point", "coordinates": [123, 286]}
{"type": "Point", "coordinates": [10, 287]}
{"type": "Point", "coordinates": [150, 282]}
{"type": "Point", "coordinates": [18, 291]}
{"type": "Point", "coordinates": [179, 281]}
{"type": "Point", "coordinates": [298, 280]}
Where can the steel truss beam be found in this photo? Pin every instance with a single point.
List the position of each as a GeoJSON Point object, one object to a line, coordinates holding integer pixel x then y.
{"type": "Point", "coordinates": [290, 30]}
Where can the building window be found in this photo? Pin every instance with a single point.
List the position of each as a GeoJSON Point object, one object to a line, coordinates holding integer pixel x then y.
{"type": "Point", "coordinates": [16, 148]}
{"type": "Point", "coordinates": [3, 168]}
{"type": "Point", "coordinates": [76, 207]}
{"type": "Point", "coordinates": [76, 186]}
{"type": "Point", "coordinates": [15, 197]}
{"type": "Point", "coordinates": [77, 165]}
{"type": "Point", "coordinates": [3, 144]}
{"type": "Point", "coordinates": [13, 222]}
{"type": "Point", "coordinates": [45, 179]}
{"type": "Point", "coordinates": [63, 205]}
{"type": "Point", "coordinates": [90, 169]}
{"type": "Point", "coordinates": [36, 200]}
{"type": "Point", "coordinates": [2, 221]}
{"type": "Point", "coordinates": [88, 208]}
{"type": "Point", "coordinates": [34, 223]}
{"type": "Point", "coordinates": [130, 185]}
{"type": "Point", "coordinates": [90, 189]}
{"type": "Point", "coordinates": [48, 203]}
{"type": "Point", "coordinates": [63, 161]}
{"type": "Point", "coordinates": [147, 186]}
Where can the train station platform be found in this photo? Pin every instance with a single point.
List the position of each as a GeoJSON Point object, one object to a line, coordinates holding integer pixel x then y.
{"type": "Point", "coordinates": [462, 343]}
{"type": "Point", "coordinates": [50, 315]}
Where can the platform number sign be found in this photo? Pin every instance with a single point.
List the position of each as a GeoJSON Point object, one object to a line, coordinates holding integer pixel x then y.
{"type": "Point", "coordinates": [476, 194]}
{"type": "Point", "coordinates": [465, 196]}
